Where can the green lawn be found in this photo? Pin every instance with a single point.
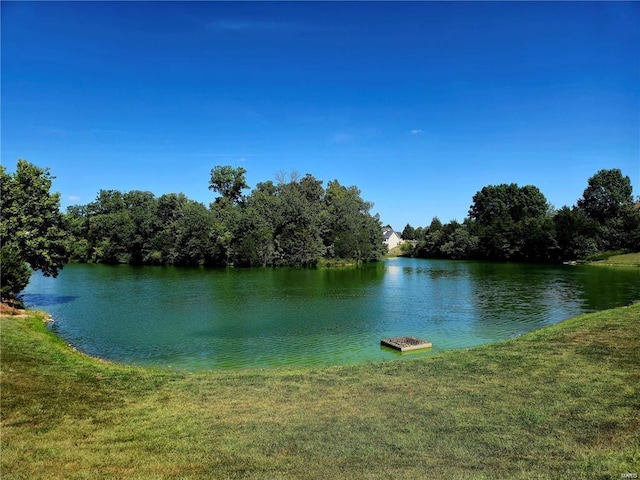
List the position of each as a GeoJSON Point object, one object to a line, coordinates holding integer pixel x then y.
{"type": "Point", "coordinates": [626, 260]}
{"type": "Point", "coordinates": [563, 402]}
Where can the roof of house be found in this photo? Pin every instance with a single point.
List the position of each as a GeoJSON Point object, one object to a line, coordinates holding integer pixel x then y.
{"type": "Point", "coordinates": [388, 232]}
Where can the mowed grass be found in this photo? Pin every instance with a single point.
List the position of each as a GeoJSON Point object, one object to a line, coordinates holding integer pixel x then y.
{"type": "Point", "coordinates": [563, 402]}
{"type": "Point", "coordinates": [626, 260]}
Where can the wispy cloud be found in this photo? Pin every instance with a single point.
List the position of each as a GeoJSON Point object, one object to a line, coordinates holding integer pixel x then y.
{"type": "Point", "coordinates": [416, 131]}
{"type": "Point", "coordinates": [73, 198]}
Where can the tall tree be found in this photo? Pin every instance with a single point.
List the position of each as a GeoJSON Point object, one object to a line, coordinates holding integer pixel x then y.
{"type": "Point", "coordinates": [193, 243]}
{"type": "Point", "coordinates": [169, 210]}
{"type": "Point", "coordinates": [256, 229]}
{"type": "Point", "coordinates": [511, 222]}
{"type": "Point", "coordinates": [460, 243]}
{"type": "Point", "coordinates": [77, 221]}
{"type": "Point", "coordinates": [431, 241]}
{"type": "Point", "coordinates": [409, 233]}
{"type": "Point", "coordinates": [228, 182]}
{"type": "Point", "coordinates": [142, 210]}
{"type": "Point", "coordinates": [32, 230]}
{"type": "Point", "coordinates": [608, 200]}
{"type": "Point", "coordinates": [607, 194]}
{"type": "Point", "coordinates": [351, 232]}
{"type": "Point", "coordinates": [576, 234]}
{"type": "Point", "coordinates": [298, 236]}
{"type": "Point", "coordinates": [111, 227]}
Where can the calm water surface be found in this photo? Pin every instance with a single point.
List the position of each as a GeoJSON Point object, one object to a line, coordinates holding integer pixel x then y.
{"type": "Point", "coordinates": [196, 319]}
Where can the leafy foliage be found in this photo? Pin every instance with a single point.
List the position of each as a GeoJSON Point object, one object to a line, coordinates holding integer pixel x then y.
{"type": "Point", "coordinates": [408, 233]}
{"type": "Point", "coordinates": [508, 222]}
{"type": "Point", "coordinates": [33, 233]}
{"type": "Point", "coordinates": [15, 271]}
{"type": "Point", "coordinates": [228, 182]}
{"type": "Point", "coordinates": [608, 193]}
{"type": "Point", "coordinates": [296, 222]}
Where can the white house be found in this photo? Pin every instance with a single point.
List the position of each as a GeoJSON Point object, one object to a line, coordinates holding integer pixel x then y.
{"type": "Point", "coordinates": [391, 238]}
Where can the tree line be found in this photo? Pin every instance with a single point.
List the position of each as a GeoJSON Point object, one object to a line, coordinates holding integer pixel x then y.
{"type": "Point", "coordinates": [513, 223]}
{"type": "Point", "coordinates": [293, 222]}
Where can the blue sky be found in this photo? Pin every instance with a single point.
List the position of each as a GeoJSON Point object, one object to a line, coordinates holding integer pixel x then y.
{"type": "Point", "coordinates": [419, 104]}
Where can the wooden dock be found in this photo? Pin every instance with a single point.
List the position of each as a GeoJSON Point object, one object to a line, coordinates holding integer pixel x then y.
{"type": "Point", "coordinates": [405, 344]}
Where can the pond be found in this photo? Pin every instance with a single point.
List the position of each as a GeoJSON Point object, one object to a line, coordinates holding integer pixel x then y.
{"type": "Point", "coordinates": [196, 319]}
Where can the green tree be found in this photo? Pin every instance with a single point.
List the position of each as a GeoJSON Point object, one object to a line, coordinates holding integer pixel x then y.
{"type": "Point", "coordinates": [409, 233]}
{"type": "Point", "coordinates": [193, 236]}
{"type": "Point", "coordinates": [169, 210]}
{"type": "Point", "coordinates": [435, 225]}
{"type": "Point", "coordinates": [576, 234]}
{"type": "Point", "coordinates": [77, 221]}
{"type": "Point", "coordinates": [298, 235]}
{"type": "Point", "coordinates": [256, 228]}
{"type": "Point", "coordinates": [407, 248]}
{"type": "Point", "coordinates": [226, 216]}
{"type": "Point", "coordinates": [460, 244]}
{"type": "Point", "coordinates": [111, 228]}
{"type": "Point", "coordinates": [431, 241]}
{"type": "Point", "coordinates": [15, 271]}
{"type": "Point", "coordinates": [510, 223]}
{"type": "Point", "coordinates": [351, 232]}
{"type": "Point", "coordinates": [630, 228]}
{"type": "Point", "coordinates": [32, 229]}
{"type": "Point", "coordinates": [608, 200]}
{"type": "Point", "coordinates": [607, 194]}
{"type": "Point", "coordinates": [228, 182]}
{"type": "Point", "coordinates": [141, 207]}
{"type": "Point", "coordinates": [255, 240]}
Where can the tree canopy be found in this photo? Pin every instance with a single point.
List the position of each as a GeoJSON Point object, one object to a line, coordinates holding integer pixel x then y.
{"type": "Point", "coordinates": [607, 194]}
{"type": "Point", "coordinates": [33, 233]}
{"type": "Point", "coordinates": [228, 182]}
{"type": "Point", "coordinates": [295, 222]}
{"type": "Point", "coordinates": [509, 222]}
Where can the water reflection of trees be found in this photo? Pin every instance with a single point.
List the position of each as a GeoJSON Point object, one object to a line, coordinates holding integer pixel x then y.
{"type": "Point", "coordinates": [435, 272]}
{"type": "Point", "coordinates": [201, 312]}
{"type": "Point", "coordinates": [286, 301]}
{"type": "Point", "coordinates": [511, 299]}
{"type": "Point", "coordinates": [607, 287]}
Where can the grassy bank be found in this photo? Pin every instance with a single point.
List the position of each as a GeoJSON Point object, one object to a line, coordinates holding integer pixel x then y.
{"type": "Point", "coordinates": [625, 260]}
{"type": "Point", "coordinates": [562, 402]}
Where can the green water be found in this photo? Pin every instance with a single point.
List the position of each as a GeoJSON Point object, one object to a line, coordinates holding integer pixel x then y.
{"type": "Point", "coordinates": [194, 319]}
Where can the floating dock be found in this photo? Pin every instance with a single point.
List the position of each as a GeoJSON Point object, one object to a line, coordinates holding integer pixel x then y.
{"type": "Point", "coordinates": [405, 344]}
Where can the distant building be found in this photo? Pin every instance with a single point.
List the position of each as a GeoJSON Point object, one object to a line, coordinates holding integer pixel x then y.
{"type": "Point", "coordinates": [391, 237]}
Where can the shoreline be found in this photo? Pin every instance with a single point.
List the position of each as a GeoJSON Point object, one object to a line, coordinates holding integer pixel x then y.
{"type": "Point", "coordinates": [47, 320]}
{"type": "Point", "coordinates": [493, 411]}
